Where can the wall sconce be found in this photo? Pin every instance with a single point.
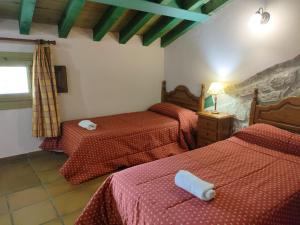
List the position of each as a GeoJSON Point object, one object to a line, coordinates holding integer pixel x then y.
{"type": "Point", "coordinates": [261, 17]}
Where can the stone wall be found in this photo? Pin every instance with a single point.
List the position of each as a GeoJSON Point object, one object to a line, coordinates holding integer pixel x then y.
{"type": "Point", "coordinates": [274, 84]}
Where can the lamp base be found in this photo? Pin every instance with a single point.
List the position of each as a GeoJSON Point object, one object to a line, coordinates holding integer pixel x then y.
{"type": "Point", "coordinates": [216, 100]}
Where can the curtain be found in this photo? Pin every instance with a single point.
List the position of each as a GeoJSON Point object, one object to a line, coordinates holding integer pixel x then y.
{"type": "Point", "coordinates": [45, 111]}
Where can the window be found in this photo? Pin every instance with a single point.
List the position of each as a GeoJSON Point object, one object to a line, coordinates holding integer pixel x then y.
{"type": "Point", "coordinates": [15, 80]}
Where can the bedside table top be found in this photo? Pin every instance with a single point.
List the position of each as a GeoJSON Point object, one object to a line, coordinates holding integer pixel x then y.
{"type": "Point", "coordinates": [215, 116]}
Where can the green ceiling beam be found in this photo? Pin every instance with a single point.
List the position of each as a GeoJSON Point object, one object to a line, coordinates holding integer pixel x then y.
{"type": "Point", "coordinates": [155, 8]}
{"type": "Point", "coordinates": [109, 18]}
{"type": "Point", "coordinates": [212, 5]}
{"type": "Point", "coordinates": [138, 21]}
{"type": "Point", "coordinates": [185, 26]}
{"type": "Point", "coordinates": [166, 23]}
{"type": "Point", "coordinates": [178, 31]}
{"type": "Point", "coordinates": [193, 4]}
{"type": "Point", "coordinates": [69, 17]}
{"type": "Point", "coordinates": [26, 15]}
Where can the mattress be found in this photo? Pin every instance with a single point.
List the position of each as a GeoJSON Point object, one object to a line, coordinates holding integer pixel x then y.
{"type": "Point", "coordinates": [256, 174]}
{"type": "Point", "coordinates": [124, 140]}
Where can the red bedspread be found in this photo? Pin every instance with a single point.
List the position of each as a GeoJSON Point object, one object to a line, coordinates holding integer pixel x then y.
{"type": "Point", "coordinates": [123, 140]}
{"type": "Point", "coordinates": [254, 185]}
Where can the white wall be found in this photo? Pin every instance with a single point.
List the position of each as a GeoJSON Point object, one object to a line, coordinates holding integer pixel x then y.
{"type": "Point", "coordinates": [103, 78]}
{"type": "Point", "coordinates": [226, 49]}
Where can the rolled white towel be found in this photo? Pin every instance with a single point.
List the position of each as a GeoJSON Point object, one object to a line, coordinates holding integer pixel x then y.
{"type": "Point", "coordinates": [87, 124]}
{"type": "Point", "coordinates": [194, 185]}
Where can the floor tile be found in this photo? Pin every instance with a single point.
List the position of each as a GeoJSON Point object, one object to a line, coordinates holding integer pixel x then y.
{"type": "Point", "coordinates": [57, 156]}
{"type": "Point", "coordinates": [35, 214]}
{"type": "Point", "coordinates": [70, 219]}
{"type": "Point", "coordinates": [71, 201]}
{"type": "Point", "coordinates": [45, 163]}
{"type": "Point", "coordinates": [28, 181]}
{"type": "Point", "coordinates": [5, 219]}
{"type": "Point", "coordinates": [3, 205]}
{"type": "Point", "coordinates": [49, 176]}
{"type": "Point", "coordinates": [16, 177]}
{"type": "Point", "coordinates": [62, 157]}
{"type": "Point", "coordinates": [59, 187]}
{"type": "Point", "coordinates": [93, 185]}
{"type": "Point", "coordinates": [54, 222]}
{"type": "Point", "coordinates": [27, 197]}
{"type": "Point", "coordinates": [21, 166]}
{"type": "Point", "coordinates": [13, 160]}
{"type": "Point", "coordinates": [38, 154]}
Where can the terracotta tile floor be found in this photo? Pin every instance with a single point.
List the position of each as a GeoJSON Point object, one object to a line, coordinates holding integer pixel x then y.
{"type": "Point", "coordinates": [32, 192]}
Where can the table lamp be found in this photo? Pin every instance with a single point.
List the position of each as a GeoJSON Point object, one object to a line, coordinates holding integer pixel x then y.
{"type": "Point", "coordinates": [215, 89]}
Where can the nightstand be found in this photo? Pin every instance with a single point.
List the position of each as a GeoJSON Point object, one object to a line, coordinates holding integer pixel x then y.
{"type": "Point", "coordinates": [213, 127]}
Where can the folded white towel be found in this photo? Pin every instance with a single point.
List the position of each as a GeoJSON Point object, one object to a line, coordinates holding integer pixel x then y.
{"type": "Point", "coordinates": [87, 124]}
{"type": "Point", "coordinates": [194, 185]}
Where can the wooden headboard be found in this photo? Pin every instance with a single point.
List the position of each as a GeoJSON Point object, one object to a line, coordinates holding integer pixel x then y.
{"type": "Point", "coordinates": [285, 114]}
{"type": "Point", "coordinates": [182, 96]}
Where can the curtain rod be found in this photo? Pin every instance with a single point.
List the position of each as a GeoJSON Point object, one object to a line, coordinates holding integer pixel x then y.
{"type": "Point", "coordinates": [28, 40]}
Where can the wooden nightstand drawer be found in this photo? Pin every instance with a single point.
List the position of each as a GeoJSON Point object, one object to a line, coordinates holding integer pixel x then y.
{"type": "Point", "coordinates": [213, 127]}
{"type": "Point", "coordinates": [207, 124]}
{"type": "Point", "coordinates": [207, 134]}
{"type": "Point", "coordinates": [204, 142]}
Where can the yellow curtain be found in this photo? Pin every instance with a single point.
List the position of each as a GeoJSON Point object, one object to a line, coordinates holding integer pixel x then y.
{"type": "Point", "coordinates": [45, 111]}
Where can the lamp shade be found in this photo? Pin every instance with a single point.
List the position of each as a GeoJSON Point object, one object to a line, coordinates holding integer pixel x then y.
{"type": "Point", "coordinates": [216, 88]}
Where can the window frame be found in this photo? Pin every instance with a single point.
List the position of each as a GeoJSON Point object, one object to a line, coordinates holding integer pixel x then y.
{"type": "Point", "coordinates": [23, 100]}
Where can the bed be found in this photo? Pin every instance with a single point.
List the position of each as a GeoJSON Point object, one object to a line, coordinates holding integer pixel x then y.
{"type": "Point", "coordinates": [128, 139]}
{"type": "Point", "coordinates": [256, 173]}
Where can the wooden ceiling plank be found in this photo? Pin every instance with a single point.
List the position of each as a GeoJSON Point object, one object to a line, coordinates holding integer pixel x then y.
{"type": "Point", "coordinates": [155, 8]}
{"type": "Point", "coordinates": [186, 25]}
{"type": "Point", "coordinates": [139, 20]}
{"type": "Point", "coordinates": [109, 18]}
{"type": "Point", "coordinates": [167, 23]}
{"type": "Point", "coordinates": [69, 17]}
{"type": "Point", "coordinates": [26, 15]}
